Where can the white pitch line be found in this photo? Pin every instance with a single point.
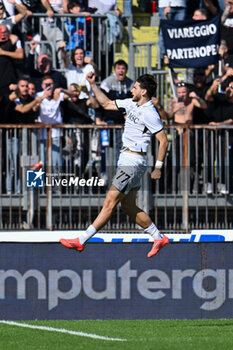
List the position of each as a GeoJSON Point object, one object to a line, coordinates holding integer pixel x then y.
{"type": "Point", "coordinates": [61, 330]}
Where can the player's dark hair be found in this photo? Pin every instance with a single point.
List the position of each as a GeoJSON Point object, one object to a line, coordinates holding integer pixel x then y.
{"type": "Point", "coordinates": [73, 53]}
{"type": "Point", "coordinates": [120, 63]}
{"type": "Point", "coordinates": [148, 83]}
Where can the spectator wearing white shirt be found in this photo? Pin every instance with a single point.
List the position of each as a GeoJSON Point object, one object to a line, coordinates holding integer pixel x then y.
{"type": "Point", "coordinates": [50, 113]}
{"type": "Point", "coordinates": [77, 70]}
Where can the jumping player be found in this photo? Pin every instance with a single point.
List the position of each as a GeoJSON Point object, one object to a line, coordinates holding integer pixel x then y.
{"type": "Point", "coordinates": [141, 124]}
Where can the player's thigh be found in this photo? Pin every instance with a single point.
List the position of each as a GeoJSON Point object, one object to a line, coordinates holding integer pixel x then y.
{"type": "Point", "coordinates": [113, 197]}
{"type": "Point", "coordinates": [130, 198]}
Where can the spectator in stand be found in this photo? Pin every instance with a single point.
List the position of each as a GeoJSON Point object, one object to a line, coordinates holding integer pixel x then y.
{"type": "Point", "coordinates": [200, 87]}
{"type": "Point", "coordinates": [116, 86]}
{"type": "Point", "coordinates": [104, 6]}
{"type": "Point", "coordinates": [34, 6]}
{"type": "Point", "coordinates": [227, 59]}
{"type": "Point", "coordinates": [181, 109]}
{"type": "Point", "coordinates": [21, 110]}
{"type": "Point", "coordinates": [115, 31]}
{"type": "Point", "coordinates": [52, 28]}
{"type": "Point", "coordinates": [10, 21]}
{"type": "Point", "coordinates": [32, 88]}
{"type": "Point", "coordinates": [226, 66]}
{"type": "Point", "coordinates": [24, 106]}
{"type": "Point", "coordinates": [50, 113]}
{"type": "Point", "coordinates": [227, 25]}
{"type": "Point", "coordinates": [75, 26]}
{"type": "Point", "coordinates": [200, 15]}
{"type": "Point", "coordinates": [75, 111]}
{"type": "Point", "coordinates": [10, 50]}
{"type": "Point", "coordinates": [175, 10]}
{"type": "Point", "coordinates": [77, 71]}
{"type": "Point", "coordinates": [222, 115]}
{"type": "Point", "coordinates": [44, 67]}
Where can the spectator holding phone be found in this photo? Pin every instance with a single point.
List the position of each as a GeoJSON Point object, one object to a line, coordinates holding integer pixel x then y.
{"type": "Point", "coordinates": [180, 110]}
{"type": "Point", "coordinates": [50, 113]}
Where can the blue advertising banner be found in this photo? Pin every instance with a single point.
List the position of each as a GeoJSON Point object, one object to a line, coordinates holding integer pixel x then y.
{"type": "Point", "coordinates": [191, 43]}
{"type": "Point", "coordinates": [116, 281]}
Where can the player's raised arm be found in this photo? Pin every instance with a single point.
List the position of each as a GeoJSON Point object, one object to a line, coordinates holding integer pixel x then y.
{"type": "Point", "coordinates": [103, 100]}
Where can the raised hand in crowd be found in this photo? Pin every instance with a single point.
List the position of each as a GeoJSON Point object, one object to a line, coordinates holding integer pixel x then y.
{"type": "Point", "coordinates": [33, 45]}
{"type": "Point", "coordinates": [212, 90]}
{"type": "Point", "coordinates": [167, 10]}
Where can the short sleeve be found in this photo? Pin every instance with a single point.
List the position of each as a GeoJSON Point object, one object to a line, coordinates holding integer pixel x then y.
{"type": "Point", "coordinates": [153, 122]}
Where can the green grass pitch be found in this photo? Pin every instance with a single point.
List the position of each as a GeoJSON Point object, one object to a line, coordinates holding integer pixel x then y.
{"type": "Point", "coordinates": [137, 335]}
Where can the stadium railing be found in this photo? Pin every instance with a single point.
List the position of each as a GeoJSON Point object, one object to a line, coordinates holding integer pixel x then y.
{"type": "Point", "coordinates": [94, 34]}
{"type": "Point", "coordinates": [72, 192]}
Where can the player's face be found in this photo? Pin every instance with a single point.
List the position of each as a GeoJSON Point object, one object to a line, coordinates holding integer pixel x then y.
{"type": "Point", "coordinates": [136, 92]}
{"type": "Point", "coordinates": [120, 71]}
{"type": "Point", "coordinates": [23, 87]}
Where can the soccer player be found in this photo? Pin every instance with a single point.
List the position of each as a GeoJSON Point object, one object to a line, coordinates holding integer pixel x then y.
{"type": "Point", "coordinates": [142, 122]}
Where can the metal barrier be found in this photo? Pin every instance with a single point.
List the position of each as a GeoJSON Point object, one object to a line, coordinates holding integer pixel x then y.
{"type": "Point", "coordinates": [95, 34]}
{"type": "Point", "coordinates": [195, 190]}
{"type": "Point", "coordinates": [145, 58]}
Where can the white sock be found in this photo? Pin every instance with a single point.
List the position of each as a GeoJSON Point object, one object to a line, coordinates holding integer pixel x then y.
{"type": "Point", "coordinates": [90, 231]}
{"type": "Point", "coordinates": [153, 231]}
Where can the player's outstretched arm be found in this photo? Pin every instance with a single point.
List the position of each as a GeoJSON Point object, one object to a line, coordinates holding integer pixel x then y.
{"type": "Point", "coordinates": [163, 144]}
{"type": "Point", "coordinates": [103, 100]}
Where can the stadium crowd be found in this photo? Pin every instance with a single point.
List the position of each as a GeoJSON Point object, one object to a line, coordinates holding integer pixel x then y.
{"type": "Point", "coordinates": [33, 91]}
